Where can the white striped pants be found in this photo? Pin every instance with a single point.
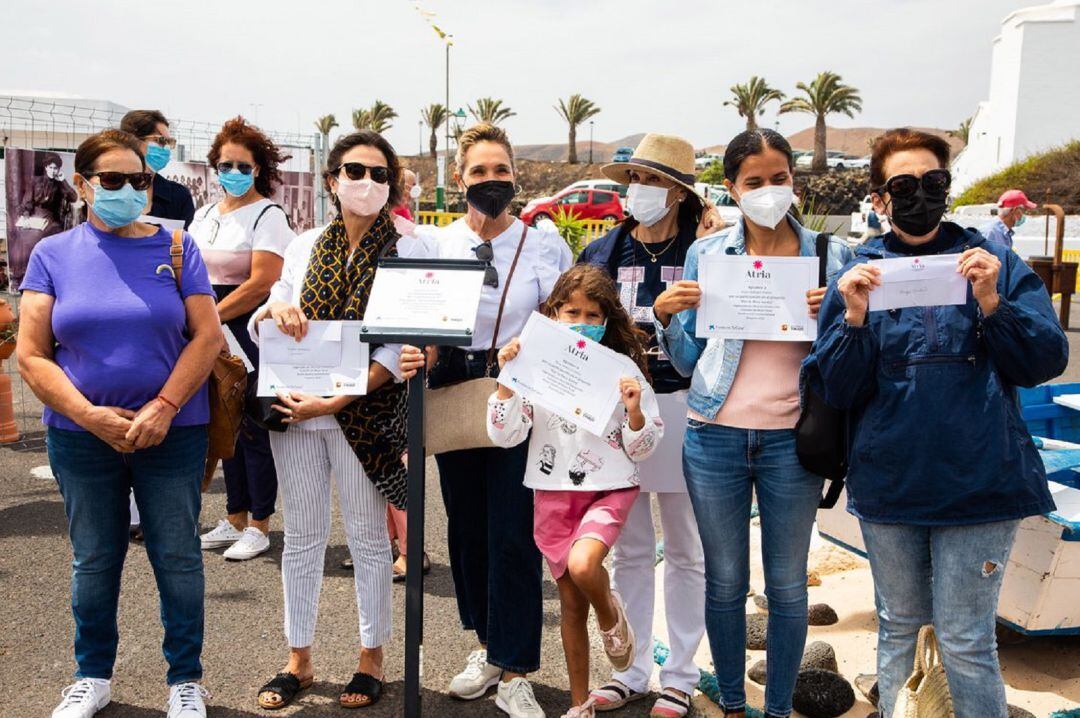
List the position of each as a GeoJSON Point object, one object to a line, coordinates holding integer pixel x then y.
{"type": "Point", "coordinates": [306, 461]}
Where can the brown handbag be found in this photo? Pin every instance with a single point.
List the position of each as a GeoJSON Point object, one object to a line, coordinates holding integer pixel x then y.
{"type": "Point", "coordinates": [455, 416]}
{"type": "Point", "coordinates": [225, 387]}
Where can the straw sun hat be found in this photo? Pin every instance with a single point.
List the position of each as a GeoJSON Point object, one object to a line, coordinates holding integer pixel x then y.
{"type": "Point", "coordinates": [665, 155]}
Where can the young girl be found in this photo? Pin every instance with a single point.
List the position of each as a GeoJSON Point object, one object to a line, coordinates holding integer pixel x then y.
{"type": "Point", "coordinates": [584, 485]}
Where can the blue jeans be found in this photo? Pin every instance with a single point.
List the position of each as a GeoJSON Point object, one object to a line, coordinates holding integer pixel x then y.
{"type": "Point", "coordinates": [949, 576]}
{"type": "Point", "coordinates": [94, 481]}
{"type": "Point", "coordinates": [723, 466]}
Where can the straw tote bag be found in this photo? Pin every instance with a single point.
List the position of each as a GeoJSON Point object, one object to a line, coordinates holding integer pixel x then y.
{"type": "Point", "coordinates": [455, 416]}
{"type": "Point", "coordinates": [926, 692]}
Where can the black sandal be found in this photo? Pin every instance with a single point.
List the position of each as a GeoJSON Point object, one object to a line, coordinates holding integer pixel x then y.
{"type": "Point", "coordinates": [365, 685]}
{"type": "Point", "coordinates": [286, 686]}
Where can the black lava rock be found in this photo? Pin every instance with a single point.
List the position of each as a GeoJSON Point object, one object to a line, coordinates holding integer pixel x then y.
{"type": "Point", "coordinates": [762, 603]}
{"type": "Point", "coordinates": [756, 631]}
{"type": "Point", "coordinates": [1017, 712]}
{"type": "Point", "coordinates": [820, 655]}
{"type": "Point", "coordinates": [757, 673]}
{"type": "Point", "coordinates": [822, 694]}
{"type": "Point", "coordinates": [822, 614]}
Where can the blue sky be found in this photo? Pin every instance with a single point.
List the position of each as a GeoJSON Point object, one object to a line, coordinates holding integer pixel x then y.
{"type": "Point", "coordinates": [651, 66]}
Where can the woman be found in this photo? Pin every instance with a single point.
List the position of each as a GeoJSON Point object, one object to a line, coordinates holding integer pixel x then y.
{"type": "Point", "coordinates": [356, 442]}
{"type": "Point", "coordinates": [645, 255]}
{"type": "Point", "coordinates": [942, 468]}
{"type": "Point", "coordinates": [243, 239]}
{"type": "Point", "coordinates": [124, 410]}
{"type": "Point", "coordinates": [740, 438]}
{"type": "Point", "coordinates": [495, 563]}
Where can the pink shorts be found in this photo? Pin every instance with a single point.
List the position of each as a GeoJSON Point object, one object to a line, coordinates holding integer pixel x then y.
{"type": "Point", "coordinates": [562, 517]}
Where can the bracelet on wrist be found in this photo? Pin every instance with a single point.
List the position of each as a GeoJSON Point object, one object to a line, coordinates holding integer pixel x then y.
{"type": "Point", "coordinates": [171, 405]}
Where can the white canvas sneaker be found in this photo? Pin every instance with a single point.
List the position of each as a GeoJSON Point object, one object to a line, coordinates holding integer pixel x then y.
{"type": "Point", "coordinates": [476, 679]}
{"type": "Point", "coordinates": [252, 543]}
{"type": "Point", "coordinates": [186, 700]}
{"type": "Point", "coordinates": [224, 534]}
{"type": "Point", "coordinates": [516, 699]}
{"type": "Point", "coordinates": [83, 698]}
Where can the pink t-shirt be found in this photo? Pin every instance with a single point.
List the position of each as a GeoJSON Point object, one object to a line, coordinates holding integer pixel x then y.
{"type": "Point", "coordinates": [765, 393]}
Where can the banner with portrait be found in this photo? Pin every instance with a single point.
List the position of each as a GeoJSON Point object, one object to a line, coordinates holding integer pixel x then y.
{"type": "Point", "coordinates": [40, 201]}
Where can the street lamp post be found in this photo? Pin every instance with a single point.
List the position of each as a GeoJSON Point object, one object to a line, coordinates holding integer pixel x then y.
{"type": "Point", "coordinates": [420, 139]}
{"type": "Point", "coordinates": [590, 141]}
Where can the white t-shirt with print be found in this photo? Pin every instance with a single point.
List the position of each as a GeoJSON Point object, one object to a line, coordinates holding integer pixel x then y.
{"type": "Point", "coordinates": [226, 241]}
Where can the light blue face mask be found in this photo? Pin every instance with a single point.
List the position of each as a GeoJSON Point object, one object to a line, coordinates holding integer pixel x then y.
{"type": "Point", "coordinates": [591, 331]}
{"type": "Point", "coordinates": [118, 207]}
{"type": "Point", "coordinates": [157, 156]}
{"type": "Point", "coordinates": [236, 182]}
{"type": "Point", "coordinates": [1020, 222]}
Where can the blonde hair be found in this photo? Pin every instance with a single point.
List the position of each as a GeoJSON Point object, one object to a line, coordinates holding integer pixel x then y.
{"type": "Point", "coordinates": [483, 132]}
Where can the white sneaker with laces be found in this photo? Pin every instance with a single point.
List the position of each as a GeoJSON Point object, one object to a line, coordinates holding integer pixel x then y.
{"type": "Point", "coordinates": [252, 543]}
{"type": "Point", "coordinates": [516, 699]}
{"type": "Point", "coordinates": [476, 679]}
{"type": "Point", "coordinates": [186, 700]}
{"type": "Point", "coordinates": [224, 534]}
{"type": "Point", "coordinates": [83, 698]}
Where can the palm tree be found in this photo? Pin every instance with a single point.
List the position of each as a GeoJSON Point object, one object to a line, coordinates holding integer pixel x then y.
{"type": "Point", "coordinates": [961, 133]}
{"type": "Point", "coordinates": [434, 115]}
{"type": "Point", "coordinates": [381, 116]}
{"type": "Point", "coordinates": [750, 99]}
{"type": "Point", "coordinates": [826, 95]}
{"type": "Point", "coordinates": [490, 110]}
{"type": "Point", "coordinates": [575, 110]}
{"type": "Point", "coordinates": [361, 119]}
{"type": "Point", "coordinates": [324, 124]}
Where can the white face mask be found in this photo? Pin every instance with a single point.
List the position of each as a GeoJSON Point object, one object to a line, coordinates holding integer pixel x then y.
{"type": "Point", "coordinates": [647, 204]}
{"type": "Point", "coordinates": [766, 206]}
{"type": "Point", "coordinates": [363, 197]}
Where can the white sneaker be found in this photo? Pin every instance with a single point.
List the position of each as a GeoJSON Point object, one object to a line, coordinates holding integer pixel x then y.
{"type": "Point", "coordinates": [83, 698]}
{"type": "Point", "coordinates": [476, 679]}
{"type": "Point", "coordinates": [186, 701]}
{"type": "Point", "coordinates": [516, 700]}
{"type": "Point", "coordinates": [252, 543]}
{"type": "Point", "coordinates": [224, 534]}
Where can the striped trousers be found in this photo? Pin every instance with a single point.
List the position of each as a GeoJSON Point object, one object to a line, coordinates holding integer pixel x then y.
{"type": "Point", "coordinates": [306, 462]}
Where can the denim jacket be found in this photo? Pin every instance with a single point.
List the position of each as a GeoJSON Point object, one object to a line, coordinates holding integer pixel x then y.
{"type": "Point", "coordinates": [712, 363]}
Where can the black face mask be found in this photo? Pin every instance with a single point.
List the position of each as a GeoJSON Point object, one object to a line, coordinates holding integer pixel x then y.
{"type": "Point", "coordinates": [918, 214]}
{"type": "Point", "coordinates": [491, 197]}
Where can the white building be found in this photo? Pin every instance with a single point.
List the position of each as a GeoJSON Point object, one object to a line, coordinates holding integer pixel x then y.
{"type": "Point", "coordinates": [1034, 102]}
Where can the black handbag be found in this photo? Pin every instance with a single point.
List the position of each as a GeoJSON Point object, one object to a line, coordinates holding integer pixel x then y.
{"type": "Point", "coordinates": [258, 410]}
{"type": "Point", "coordinates": [822, 432]}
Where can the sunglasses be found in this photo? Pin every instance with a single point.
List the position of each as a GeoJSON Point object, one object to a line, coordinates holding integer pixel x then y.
{"type": "Point", "coordinates": [115, 180]}
{"type": "Point", "coordinates": [356, 171]}
{"type": "Point", "coordinates": [245, 168]}
{"type": "Point", "coordinates": [486, 254]}
{"type": "Point", "coordinates": [161, 141]}
{"type": "Point", "coordinates": [935, 183]}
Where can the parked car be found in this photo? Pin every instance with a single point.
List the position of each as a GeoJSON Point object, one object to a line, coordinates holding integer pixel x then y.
{"type": "Point", "coordinates": [623, 154]}
{"type": "Point", "coordinates": [719, 196]}
{"type": "Point", "coordinates": [834, 159]}
{"type": "Point", "coordinates": [585, 203]}
{"type": "Point", "coordinates": [601, 184]}
{"type": "Point", "coordinates": [704, 161]}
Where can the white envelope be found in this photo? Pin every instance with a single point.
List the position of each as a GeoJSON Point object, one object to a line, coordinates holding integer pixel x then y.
{"type": "Point", "coordinates": [928, 281]}
{"type": "Point", "coordinates": [320, 348]}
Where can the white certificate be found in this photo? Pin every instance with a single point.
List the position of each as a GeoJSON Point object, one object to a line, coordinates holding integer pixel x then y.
{"type": "Point", "coordinates": [744, 297]}
{"type": "Point", "coordinates": [424, 298]}
{"type": "Point", "coordinates": [567, 374]}
{"type": "Point", "coordinates": [329, 361]}
{"type": "Point", "coordinates": [918, 282]}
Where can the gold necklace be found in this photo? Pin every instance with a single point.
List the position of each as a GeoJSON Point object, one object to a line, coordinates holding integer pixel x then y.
{"type": "Point", "coordinates": [659, 254]}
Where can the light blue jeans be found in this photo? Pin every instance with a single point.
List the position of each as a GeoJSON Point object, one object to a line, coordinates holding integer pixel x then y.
{"type": "Point", "coordinates": [723, 467]}
{"type": "Point", "coordinates": [949, 576]}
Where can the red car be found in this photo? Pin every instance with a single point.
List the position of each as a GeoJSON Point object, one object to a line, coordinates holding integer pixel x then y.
{"type": "Point", "coordinates": [585, 203]}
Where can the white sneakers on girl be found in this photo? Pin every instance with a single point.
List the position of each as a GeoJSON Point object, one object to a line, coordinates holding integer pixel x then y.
{"type": "Point", "coordinates": [619, 639]}
{"type": "Point", "coordinates": [477, 678]}
{"type": "Point", "coordinates": [517, 700]}
{"type": "Point", "coordinates": [83, 698]}
{"type": "Point", "coordinates": [224, 534]}
{"type": "Point", "coordinates": [252, 543]}
{"type": "Point", "coordinates": [187, 700]}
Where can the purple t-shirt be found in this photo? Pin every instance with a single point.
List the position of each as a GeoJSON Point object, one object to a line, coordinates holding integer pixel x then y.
{"type": "Point", "coordinates": [119, 323]}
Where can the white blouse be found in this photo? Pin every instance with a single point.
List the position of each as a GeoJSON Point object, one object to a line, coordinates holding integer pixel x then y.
{"type": "Point", "coordinates": [226, 241]}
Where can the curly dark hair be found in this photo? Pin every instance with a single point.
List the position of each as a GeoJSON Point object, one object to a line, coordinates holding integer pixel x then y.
{"type": "Point", "coordinates": [369, 139]}
{"type": "Point", "coordinates": [267, 155]}
{"type": "Point", "coordinates": [622, 333]}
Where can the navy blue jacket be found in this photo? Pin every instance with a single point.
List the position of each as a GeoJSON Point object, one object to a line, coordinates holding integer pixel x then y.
{"type": "Point", "coordinates": [172, 200]}
{"type": "Point", "coordinates": [937, 434]}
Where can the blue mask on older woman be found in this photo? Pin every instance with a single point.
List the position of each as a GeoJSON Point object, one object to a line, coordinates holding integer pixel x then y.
{"type": "Point", "coordinates": [118, 207]}
{"type": "Point", "coordinates": [236, 182]}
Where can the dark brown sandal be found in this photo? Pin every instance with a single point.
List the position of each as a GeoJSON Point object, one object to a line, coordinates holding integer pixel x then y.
{"type": "Point", "coordinates": [367, 686]}
{"type": "Point", "coordinates": [286, 686]}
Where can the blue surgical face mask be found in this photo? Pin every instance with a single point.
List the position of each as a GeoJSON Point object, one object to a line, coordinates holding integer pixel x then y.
{"type": "Point", "coordinates": [118, 207]}
{"type": "Point", "coordinates": [590, 331]}
{"type": "Point", "coordinates": [1020, 222]}
{"type": "Point", "coordinates": [157, 156]}
{"type": "Point", "coordinates": [236, 182]}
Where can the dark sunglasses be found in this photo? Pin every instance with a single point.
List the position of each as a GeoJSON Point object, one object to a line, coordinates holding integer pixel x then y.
{"type": "Point", "coordinates": [486, 254]}
{"type": "Point", "coordinates": [115, 180]}
{"type": "Point", "coordinates": [356, 171]}
{"type": "Point", "coordinates": [935, 183]}
{"type": "Point", "coordinates": [161, 141]}
{"type": "Point", "coordinates": [245, 168]}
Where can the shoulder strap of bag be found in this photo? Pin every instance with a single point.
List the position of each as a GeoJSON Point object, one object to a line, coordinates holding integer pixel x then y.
{"type": "Point", "coordinates": [502, 301]}
{"type": "Point", "coordinates": [823, 257]}
{"type": "Point", "coordinates": [176, 257]}
{"type": "Point", "coordinates": [266, 209]}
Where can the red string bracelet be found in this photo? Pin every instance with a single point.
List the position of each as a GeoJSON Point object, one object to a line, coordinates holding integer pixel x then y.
{"type": "Point", "coordinates": [169, 403]}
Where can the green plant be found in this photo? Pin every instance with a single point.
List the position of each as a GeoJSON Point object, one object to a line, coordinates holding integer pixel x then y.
{"type": "Point", "coordinates": [434, 115]}
{"type": "Point", "coordinates": [749, 100]}
{"type": "Point", "coordinates": [490, 110]}
{"type": "Point", "coordinates": [9, 332]}
{"type": "Point", "coordinates": [575, 110]}
{"type": "Point", "coordinates": [324, 124]}
{"type": "Point", "coordinates": [810, 215]}
{"type": "Point", "coordinates": [377, 118]}
{"type": "Point", "coordinates": [571, 228]}
{"type": "Point", "coordinates": [825, 95]}
{"type": "Point", "coordinates": [963, 131]}
{"type": "Point", "coordinates": [1052, 176]}
{"type": "Point", "coordinates": [713, 174]}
